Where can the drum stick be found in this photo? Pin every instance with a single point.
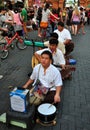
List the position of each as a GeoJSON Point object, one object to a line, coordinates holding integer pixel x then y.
{"type": "Point", "coordinates": [51, 105]}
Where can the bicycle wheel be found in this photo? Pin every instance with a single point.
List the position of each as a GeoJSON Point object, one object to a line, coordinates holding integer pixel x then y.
{"type": "Point", "coordinates": [20, 44]}
{"type": "Point", "coordinates": [3, 53]}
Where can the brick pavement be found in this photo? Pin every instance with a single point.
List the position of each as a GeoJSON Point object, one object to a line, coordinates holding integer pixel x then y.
{"type": "Point", "coordinates": [74, 109]}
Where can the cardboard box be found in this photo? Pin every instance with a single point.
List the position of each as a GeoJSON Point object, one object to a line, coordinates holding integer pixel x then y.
{"type": "Point", "coordinates": [19, 100]}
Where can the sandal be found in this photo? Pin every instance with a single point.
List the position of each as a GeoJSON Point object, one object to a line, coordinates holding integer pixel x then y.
{"type": "Point", "coordinates": [39, 35]}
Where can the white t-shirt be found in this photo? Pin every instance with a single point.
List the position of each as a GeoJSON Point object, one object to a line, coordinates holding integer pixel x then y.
{"type": "Point", "coordinates": [45, 15]}
{"type": "Point", "coordinates": [61, 46]}
{"type": "Point", "coordinates": [63, 35]}
{"type": "Point", "coordinates": [51, 79]}
{"type": "Point", "coordinates": [58, 57]}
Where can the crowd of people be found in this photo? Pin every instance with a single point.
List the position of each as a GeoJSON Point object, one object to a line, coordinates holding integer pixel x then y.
{"type": "Point", "coordinates": [23, 18]}
{"type": "Point", "coordinates": [63, 23]}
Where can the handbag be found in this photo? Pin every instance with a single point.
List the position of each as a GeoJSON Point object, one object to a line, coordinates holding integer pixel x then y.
{"type": "Point", "coordinates": [43, 24]}
{"type": "Point", "coordinates": [38, 92]}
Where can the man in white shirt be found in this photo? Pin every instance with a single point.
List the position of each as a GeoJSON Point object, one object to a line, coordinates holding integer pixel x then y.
{"type": "Point", "coordinates": [64, 36]}
{"type": "Point", "coordinates": [58, 57]}
{"type": "Point", "coordinates": [49, 76]}
{"type": "Point", "coordinates": [61, 46]}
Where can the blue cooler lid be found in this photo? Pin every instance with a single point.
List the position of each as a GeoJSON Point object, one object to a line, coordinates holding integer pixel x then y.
{"type": "Point", "coordinates": [72, 61]}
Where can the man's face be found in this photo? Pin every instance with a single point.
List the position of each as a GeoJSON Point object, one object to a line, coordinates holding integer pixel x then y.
{"type": "Point", "coordinates": [53, 47]}
{"type": "Point", "coordinates": [45, 60]}
{"type": "Point", "coordinates": [60, 28]}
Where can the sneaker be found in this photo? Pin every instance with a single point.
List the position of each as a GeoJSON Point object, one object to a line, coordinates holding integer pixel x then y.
{"type": "Point", "coordinates": [1, 76]}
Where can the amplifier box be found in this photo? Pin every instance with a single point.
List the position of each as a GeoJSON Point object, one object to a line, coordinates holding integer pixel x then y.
{"type": "Point", "coordinates": [19, 99]}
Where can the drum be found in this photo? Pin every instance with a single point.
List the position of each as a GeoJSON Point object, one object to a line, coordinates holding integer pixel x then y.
{"type": "Point", "coordinates": [46, 113]}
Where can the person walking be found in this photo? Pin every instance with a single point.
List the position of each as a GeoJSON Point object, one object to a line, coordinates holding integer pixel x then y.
{"type": "Point", "coordinates": [23, 17]}
{"type": "Point", "coordinates": [45, 18]}
{"type": "Point", "coordinates": [75, 20]}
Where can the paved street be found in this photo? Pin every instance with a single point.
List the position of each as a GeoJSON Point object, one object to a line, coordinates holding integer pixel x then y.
{"type": "Point", "coordinates": [74, 109]}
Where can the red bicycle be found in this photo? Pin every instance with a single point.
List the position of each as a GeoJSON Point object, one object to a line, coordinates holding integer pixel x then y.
{"type": "Point", "coordinates": [9, 42]}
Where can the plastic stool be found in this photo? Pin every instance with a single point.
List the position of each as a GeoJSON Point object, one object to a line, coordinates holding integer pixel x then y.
{"type": "Point", "coordinates": [27, 118]}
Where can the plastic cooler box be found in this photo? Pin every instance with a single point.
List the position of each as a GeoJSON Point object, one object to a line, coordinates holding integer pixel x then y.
{"type": "Point", "coordinates": [72, 61]}
{"type": "Point", "coordinates": [19, 99]}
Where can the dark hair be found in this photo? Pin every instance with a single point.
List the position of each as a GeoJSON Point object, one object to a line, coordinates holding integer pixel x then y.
{"type": "Point", "coordinates": [3, 8]}
{"type": "Point", "coordinates": [53, 41]}
{"type": "Point", "coordinates": [47, 5]}
{"type": "Point", "coordinates": [9, 4]}
{"type": "Point", "coordinates": [54, 35]}
{"type": "Point", "coordinates": [61, 24]}
{"type": "Point", "coordinates": [16, 10]}
{"type": "Point", "coordinates": [81, 9]}
{"type": "Point", "coordinates": [20, 5]}
{"type": "Point", "coordinates": [47, 53]}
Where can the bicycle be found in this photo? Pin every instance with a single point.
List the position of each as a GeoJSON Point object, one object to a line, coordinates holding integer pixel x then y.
{"type": "Point", "coordinates": [9, 42]}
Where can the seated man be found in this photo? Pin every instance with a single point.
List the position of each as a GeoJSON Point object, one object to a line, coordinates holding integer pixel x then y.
{"type": "Point", "coordinates": [61, 46]}
{"type": "Point", "coordinates": [48, 77]}
{"type": "Point", "coordinates": [58, 58]}
{"type": "Point", "coordinates": [64, 36]}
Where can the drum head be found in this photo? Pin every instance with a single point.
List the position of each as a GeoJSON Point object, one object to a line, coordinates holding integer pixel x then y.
{"type": "Point", "coordinates": [44, 109]}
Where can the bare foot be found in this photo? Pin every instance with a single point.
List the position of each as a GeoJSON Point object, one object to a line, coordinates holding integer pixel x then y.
{"type": "Point", "coordinates": [39, 35]}
{"type": "Point", "coordinates": [83, 33]}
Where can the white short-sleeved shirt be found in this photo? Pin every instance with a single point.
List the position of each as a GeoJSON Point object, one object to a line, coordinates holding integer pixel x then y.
{"type": "Point", "coordinates": [61, 46]}
{"type": "Point", "coordinates": [45, 15]}
{"type": "Point", "coordinates": [63, 35]}
{"type": "Point", "coordinates": [58, 57]}
{"type": "Point", "coordinates": [51, 79]}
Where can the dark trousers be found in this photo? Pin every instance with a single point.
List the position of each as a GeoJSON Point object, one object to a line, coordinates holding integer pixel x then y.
{"type": "Point", "coordinates": [69, 48]}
